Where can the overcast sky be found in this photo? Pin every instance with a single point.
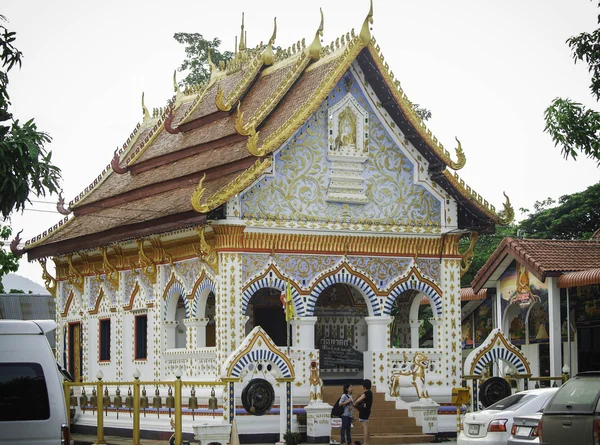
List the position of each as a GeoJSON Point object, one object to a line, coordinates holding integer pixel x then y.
{"type": "Point", "coordinates": [486, 69]}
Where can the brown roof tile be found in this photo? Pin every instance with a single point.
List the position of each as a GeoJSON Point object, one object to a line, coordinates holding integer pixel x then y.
{"type": "Point", "coordinates": [261, 90]}
{"type": "Point", "coordinates": [208, 104]}
{"type": "Point", "coordinates": [118, 184]}
{"type": "Point", "coordinates": [542, 257]}
{"type": "Point", "coordinates": [296, 97]}
{"type": "Point", "coordinates": [146, 209]}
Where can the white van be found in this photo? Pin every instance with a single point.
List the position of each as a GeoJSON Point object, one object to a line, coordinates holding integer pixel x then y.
{"type": "Point", "coordinates": [32, 401]}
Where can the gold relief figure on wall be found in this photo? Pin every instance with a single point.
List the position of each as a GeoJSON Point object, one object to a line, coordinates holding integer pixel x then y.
{"type": "Point", "coordinates": [346, 130]}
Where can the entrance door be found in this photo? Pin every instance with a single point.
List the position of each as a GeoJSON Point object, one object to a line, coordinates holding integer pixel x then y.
{"type": "Point", "coordinates": [75, 350]}
{"type": "Point", "coordinates": [272, 320]}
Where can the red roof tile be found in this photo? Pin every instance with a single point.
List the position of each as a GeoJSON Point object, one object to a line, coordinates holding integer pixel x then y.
{"type": "Point", "coordinates": [541, 257]}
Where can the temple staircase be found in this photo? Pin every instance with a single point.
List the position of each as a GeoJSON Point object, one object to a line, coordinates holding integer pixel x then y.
{"type": "Point", "coordinates": [387, 425]}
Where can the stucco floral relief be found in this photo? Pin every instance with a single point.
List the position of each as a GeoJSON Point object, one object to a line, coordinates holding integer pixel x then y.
{"type": "Point", "coordinates": [298, 188]}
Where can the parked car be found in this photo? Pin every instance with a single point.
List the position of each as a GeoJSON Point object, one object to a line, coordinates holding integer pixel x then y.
{"type": "Point", "coordinates": [573, 414]}
{"type": "Point", "coordinates": [526, 430]}
{"type": "Point", "coordinates": [492, 425]}
{"type": "Point", "coordinates": [32, 401]}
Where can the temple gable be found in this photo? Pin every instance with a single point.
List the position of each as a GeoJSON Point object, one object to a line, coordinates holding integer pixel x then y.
{"type": "Point", "coordinates": [347, 164]}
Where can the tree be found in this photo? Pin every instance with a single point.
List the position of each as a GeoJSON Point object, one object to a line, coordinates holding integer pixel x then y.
{"type": "Point", "coordinates": [25, 166]}
{"type": "Point", "coordinates": [196, 61]}
{"type": "Point", "coordinates": [8, 262]}
{"type": "Point", "coordinates": [196, 56]}
{"type": "Point", "coordinates": [576, 216]}
{"type": "Point", "coordinates": [570, 124]}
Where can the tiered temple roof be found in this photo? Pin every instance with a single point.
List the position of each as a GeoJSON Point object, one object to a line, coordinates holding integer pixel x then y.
{"type": "Point", "coordinates": [221, 135]}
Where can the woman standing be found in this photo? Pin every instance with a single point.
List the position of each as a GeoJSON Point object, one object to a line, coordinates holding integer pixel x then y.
{"type": "Point", "coordinates": [363, 404]}
{"type": "Point", "coordinates": [347, 402]}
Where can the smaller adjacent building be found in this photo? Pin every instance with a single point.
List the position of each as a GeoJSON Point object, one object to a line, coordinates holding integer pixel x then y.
{"type": "Point", "coordinates": [29, 307]}
{"type": "Point", "coordinates": [545, 296]}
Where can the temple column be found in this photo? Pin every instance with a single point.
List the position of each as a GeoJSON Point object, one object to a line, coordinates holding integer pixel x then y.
{"type": "Point", "coordinates": [169, 330]}
{"type": "Point", "coordinates": [414, 334]}
{"type": "Point", "coordinates": [554, 327]}
{"type": "Point", "coordinates": [303, 332]}
{"type": "Point", "coordinates": [196, 332]}
{"type": "Point", "coordinates": [229, 319]}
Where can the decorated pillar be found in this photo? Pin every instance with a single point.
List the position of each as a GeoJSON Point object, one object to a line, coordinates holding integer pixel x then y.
{"type": "Point", "coordinates": [376, 364]}
{"type": "Point", "coordinates": [304, 332]}
{"type": "Point", "coordinates": [196, 332]}
{"type": "Point", "coordinates": [554, 327]}
{"type": "Point", "coordinates": [169, 328]}
{"type": "Point", "coordinates": [450, 323]}
{"type": "Point", "coordinates": [230, 328]}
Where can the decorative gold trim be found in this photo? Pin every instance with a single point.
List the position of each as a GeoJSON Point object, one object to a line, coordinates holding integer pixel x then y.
{"type": "Point", "coordinates": [304, 111]}
{"type": "Point", "coordinates": [145, 113]}
{"type": "Point", "coordinates": [236, 186]}
{"type": "Point", "coordinates": [352, 245]}
{"type": "Point", "coordinates": [365, 33]}
{"type": "Point", "coordinates": [110, 271]}
{"type": "Point", "coordinates": [74, 277]}
{"type": "Point", "coordinates": [261, 334]}
{"type": "Point", "coordinates": [267, 55]}
{"type": "Point", "coordinates": [168, 286]}
{"type": "Point", "coordinates": [225, 103]}
{"type": "Point", "coordinates": [49, 280]}
{"type": "Point", "coordinates": [206, 252]}
{"type": "Point", "coordinates": [315, 48]}
{"type": "Point", "coordinates": [509, 212]}
{"type": "Point", "coordinates": [467, 257]}
{"type": "Point", "coordinates": [461, 158]}
{"type": "Point", "coordinates": [415, 271]}
{"type": "Point", "coordinates": [146, 264]}
{"type": "Point", "coordinates": [474, 197]}
{"type": "Point", "coordinates": [96, 308]}
{"type": "Point", "coordinates": [495, 343]}
{"type": "Point", "coordinates": [271, 102]}
{"type": "Point", "coordinates": [160, 254]}
{"type": "Point", "coordinates": [407, 108]}
{"type": "Point", "coordinates": [228, 236]}
{"type": "Point", "coordinates": [198, 100]}
{"type": "Point", "coordinates": [239, 122]}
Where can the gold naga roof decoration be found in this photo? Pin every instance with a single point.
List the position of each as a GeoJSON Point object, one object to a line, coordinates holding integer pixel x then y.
{"type": "Point", "coordinates": [225, 193]}
{"type": "Point", "coordinates": [303, 58]}
{"type": "Point", "coordinates": [407, 108]}
{"type": "Point", "coordinates": [265, 57]}
{"type": "Point", "coordinates": [477, 199]}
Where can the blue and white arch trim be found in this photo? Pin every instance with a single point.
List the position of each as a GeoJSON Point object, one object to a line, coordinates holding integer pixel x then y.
{"type": "Point", "coordinates": [176, 290]}
{"type": "Point", "coordinates": [206, 284]}
{"type": "Point", "coordinates": [346, 277]}
{"type": "Point", "coordinates": [276, 283]}
{"type": "Point", "coordinates": [502, 354]}
{"type": "Point", "coordinates": [414, 284]}
{"type": "Point", "coordinates": [261, 355]}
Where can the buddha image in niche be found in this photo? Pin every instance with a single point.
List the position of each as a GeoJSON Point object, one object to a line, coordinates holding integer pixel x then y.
{"type": "Point", "coordinates": [346, 137]}
{"type": "Point", "coordinates": [523, 295]}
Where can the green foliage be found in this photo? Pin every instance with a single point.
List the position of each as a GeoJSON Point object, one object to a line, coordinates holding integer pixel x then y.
{"type": "Point", "coordinates": [576, 216]}
{"type": "Point", "coordinates": [571, 125]}
{"type": "Point", "coordinates": [25, 166]}
{"type": "Point", "coordinates": [292, 438]}
{"type": "Point", "coordinates": [423, 113]}
{"type": "Point", "coordinates": [574, 127]}
{"type": "Point", "coordinates": [8, 262]}
{"type": "Point", "coordinates": [196, 56]}
{"type": "Point", "coordinates": [16, 291]}
{"type": "Point", "coordinates": [486, 245]}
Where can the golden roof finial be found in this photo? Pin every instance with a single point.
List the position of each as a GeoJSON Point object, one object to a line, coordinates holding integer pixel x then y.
{"type": "Point", "coordinates": [178, 93]}
{"type": "Point", "coordinates": [211, 66]}
{"type": "Point", "coordinates": [365, 32]}
{"type": "Point", "coordinates": [509, 212]}
{"type": "Point", "coordinates": [460, 154]}
{"type": "Point", "coordinates": [314, 50]}
{"type": "Point", "coordinates": [267, 56]}
{"type": "Point", "coordinates": [242, 46]}
{"type": "Point", "coordinates": [144, 109]}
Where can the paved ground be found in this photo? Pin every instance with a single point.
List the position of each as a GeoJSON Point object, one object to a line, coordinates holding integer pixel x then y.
{"type": "Point", "coordinates": [82, 439]}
